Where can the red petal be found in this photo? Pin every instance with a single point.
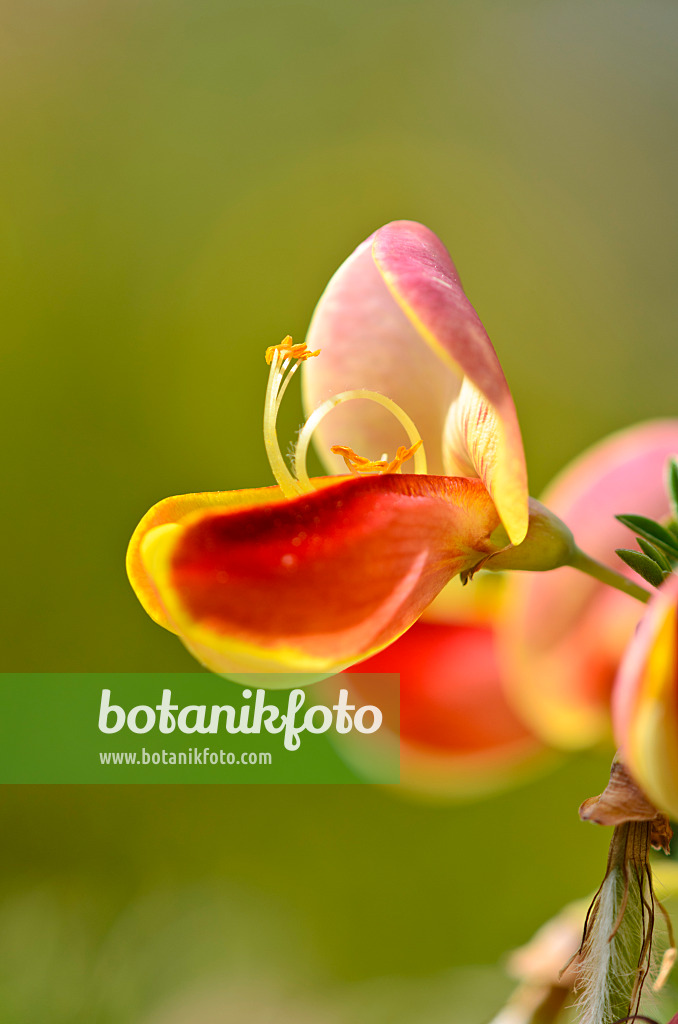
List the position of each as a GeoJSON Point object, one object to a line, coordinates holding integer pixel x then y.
{"type": "Point", "coordinates": [171, 511]}
{"type": "Point", "coordinates": [459, 736]}
{"type": "Point", "coordinates": [320, 581]}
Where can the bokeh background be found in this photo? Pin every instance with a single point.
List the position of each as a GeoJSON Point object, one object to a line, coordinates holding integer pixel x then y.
{"type": "Point", "coordinates": [179, 180]}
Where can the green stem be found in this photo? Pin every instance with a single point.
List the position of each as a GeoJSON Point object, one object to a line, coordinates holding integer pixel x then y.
{"type": "Point", "coordinates": [609, 576]}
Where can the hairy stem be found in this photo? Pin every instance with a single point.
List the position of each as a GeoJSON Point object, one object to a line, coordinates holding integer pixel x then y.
{"type": "Point", "coordinates": [614, 958]}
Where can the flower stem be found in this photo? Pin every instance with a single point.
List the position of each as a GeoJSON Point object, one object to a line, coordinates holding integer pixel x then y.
{"type": "Point", "coordinates": [606, 575]}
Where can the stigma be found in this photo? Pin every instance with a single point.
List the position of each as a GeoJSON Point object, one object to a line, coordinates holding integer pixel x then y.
{"type": "Point", "coordinates": [284, 360]}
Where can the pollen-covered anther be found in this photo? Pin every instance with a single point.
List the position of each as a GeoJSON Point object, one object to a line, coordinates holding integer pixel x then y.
{"type": "Point", "coordinates": [359, 465]}
{"type": "Point", "coordinates": [288, 350]}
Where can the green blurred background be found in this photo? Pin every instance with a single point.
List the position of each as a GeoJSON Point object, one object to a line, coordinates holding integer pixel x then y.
{"type": "Point", "coordinates": [180, 179]}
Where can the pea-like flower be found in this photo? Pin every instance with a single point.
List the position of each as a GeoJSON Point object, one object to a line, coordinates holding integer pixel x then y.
{"type": "Point", "coordinates": [313, 575]}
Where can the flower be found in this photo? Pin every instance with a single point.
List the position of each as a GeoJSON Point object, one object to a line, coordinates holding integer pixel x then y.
{"type": "Point", "coordinates": [565, 635]}
{"type": "Point", "coordinates": [645, 701]}
{"type": "Point", "coordinates": [314, 575]}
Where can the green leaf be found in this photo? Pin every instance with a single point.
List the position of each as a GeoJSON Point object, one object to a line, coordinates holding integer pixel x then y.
{"type": "Point", "coordinates": [656, 554]}
{"type": "Point", "coordinates": [653, 532]}
{"type": "Point", "coordinates": [643, 565]}
{"type": "Point", "coordinates": [672, 484]}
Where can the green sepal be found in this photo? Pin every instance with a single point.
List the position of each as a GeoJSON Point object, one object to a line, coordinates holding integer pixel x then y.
{"type": "Point", "coordinates": [655, 554]}
{"type": "Point", "coordinates": [654, 532]}
{"type": "Point", "coordinates": [643, 565]}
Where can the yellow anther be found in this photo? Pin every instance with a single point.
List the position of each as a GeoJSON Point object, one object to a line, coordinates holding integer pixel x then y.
{"type": "Point", "coordinates": [288, 350]}
{"type": "Point", "coordinates": [359, 465]}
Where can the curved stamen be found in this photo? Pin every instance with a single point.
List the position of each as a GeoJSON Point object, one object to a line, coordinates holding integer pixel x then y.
{"type": "Point", "coordinates": [319, 414]}
{"type": "Point", "coordinates": [280, 357]}
{"type": "Point", "coordinates": [288, 485]}
{"type": "Point", "coordinates": [285, 382]}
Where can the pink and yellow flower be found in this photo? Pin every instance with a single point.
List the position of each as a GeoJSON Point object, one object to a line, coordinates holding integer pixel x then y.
{"type": "Point", "coordinates": [566, 633]}
{"type": "Point", "coordinates": [314, 575]}
{"type": "Point", "coordinates": [645, 702]}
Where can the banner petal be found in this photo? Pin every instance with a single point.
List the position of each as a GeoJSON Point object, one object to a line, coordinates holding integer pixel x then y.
{"type": "Point", "coordinates": [482, 429]}
{"type": "Point", "coordinates": [367, 342]}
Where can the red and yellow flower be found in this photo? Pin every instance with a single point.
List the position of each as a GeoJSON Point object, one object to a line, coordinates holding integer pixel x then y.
{"type": "Point", "coordinates": [314, 575]}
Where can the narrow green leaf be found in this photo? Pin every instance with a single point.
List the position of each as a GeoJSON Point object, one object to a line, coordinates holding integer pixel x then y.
{"type": "Point", "coordinates": [644, 566]}
{"type": "Point", "coordinates": [653, 532]}
{"type": "Point", "coordinates": [672, 484]}
{"type": "Point", "coordinates": [656, 554]}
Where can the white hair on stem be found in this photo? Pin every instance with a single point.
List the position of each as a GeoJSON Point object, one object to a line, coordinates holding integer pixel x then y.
{"type": "Point", "coordinates": [616, 954]}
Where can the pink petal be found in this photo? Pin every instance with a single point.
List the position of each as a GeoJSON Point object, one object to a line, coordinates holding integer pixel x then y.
{"type": "Point", "coordinates": [395, 319]}
{"type": "Point", "coordinates": [367, 342]}
{"type": "Point", "coordinates": [482, 427]}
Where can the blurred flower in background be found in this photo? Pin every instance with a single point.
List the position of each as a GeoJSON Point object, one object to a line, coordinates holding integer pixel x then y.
{"type": "Point", "coordinates": [564, 633]}
{"type": "Point", "coordinates": [459, 737]}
